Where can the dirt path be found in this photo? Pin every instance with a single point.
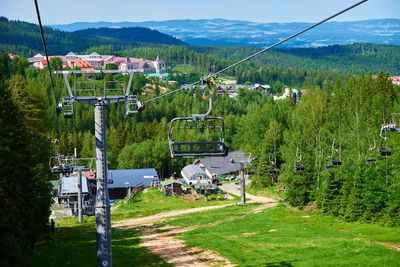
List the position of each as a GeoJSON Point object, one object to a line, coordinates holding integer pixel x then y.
{"type": "Point", "coordinates": [235, 189]}
{"type": "Point", "coordinates": [149, 220]}
{"type": "Point", "coordinates": [163, 240]}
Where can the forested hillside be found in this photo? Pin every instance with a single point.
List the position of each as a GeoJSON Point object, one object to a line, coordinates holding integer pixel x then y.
{"type": "Point", "coordinates": [24, 38]}
{"type": "Point", "coordinates": [25, 134]}
{"type": "Point", "coordinates": [133, 35]}
{"type": "Point", "coordinates": [339, 58]}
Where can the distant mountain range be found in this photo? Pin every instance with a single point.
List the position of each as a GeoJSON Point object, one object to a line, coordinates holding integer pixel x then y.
{"type": "Point", "coordinates": [245, 33]}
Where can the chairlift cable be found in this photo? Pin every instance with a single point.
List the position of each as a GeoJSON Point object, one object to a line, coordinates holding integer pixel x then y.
{"type": "Point", "coordinates": [45, 48]}
{"type": "Point", "coordinates": [243, 60]}
{"type": "Point", "coordinates": [261, 51]}
{"type": "Point", "coordinates": [122, 135]}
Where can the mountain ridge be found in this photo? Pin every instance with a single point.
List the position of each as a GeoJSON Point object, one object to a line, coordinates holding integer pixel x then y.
{"type": "Point", "coordinates": [245, 33]}
{"type": "Point", "coordinates": [25, 34]}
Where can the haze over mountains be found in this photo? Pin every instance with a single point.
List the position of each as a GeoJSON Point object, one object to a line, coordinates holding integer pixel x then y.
{"type": "Point", "coordinates": [245, 33]}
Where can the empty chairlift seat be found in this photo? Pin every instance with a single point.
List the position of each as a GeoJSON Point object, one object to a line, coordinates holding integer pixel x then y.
{"type": "Point", "coordinates": [329, 167]}
{"type": "Point", "coordinates": [370, 161]}
{"type": "Point", "coordinates": [385, 152]}
{"type": "Point", "coordinates": [209, 130]}
{"type": "Point", "coordinates": [272, 171]}
{"type": "Point", "coordinates": [299, 169]}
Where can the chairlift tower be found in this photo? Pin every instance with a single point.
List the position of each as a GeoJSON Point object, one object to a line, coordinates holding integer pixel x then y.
{"type": "Point", "coordinates": [243, 161]}
{"type": "Point", "coordinates": [102, 206]}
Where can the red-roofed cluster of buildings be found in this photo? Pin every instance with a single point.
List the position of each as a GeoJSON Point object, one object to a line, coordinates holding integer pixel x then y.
{"type": "Point", "coordinates": [96, 61]}
{"type": "Point", "coordinates": [394, 79]}
{"type": "Point", "coordinates": [12, 56]}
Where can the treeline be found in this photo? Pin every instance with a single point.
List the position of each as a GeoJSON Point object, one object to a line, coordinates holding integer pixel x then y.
{"type": "Point", "coordinates": [25, 134]}
{"type": "Point", "coordinates": [354, 58]}
{"type": "Point", "coordinates": [351, 114]}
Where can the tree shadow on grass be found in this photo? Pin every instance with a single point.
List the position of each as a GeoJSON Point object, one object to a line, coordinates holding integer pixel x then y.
{"type": "Point", "coordinates": [273, 264]}
{"type": "Point", "coordinates": [77, 247]}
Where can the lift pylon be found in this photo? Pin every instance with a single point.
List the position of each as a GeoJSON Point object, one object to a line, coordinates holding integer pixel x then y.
{"type": "Point", "coordinates": [102, 206]}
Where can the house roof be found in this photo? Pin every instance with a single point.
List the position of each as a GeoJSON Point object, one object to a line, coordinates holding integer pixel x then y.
{"type": "Point", "coordinates": [159, 59]}
{"type": "Point", "coordinates": [90, 175]}
{"type": "Point", "coordinates": [170, 181]}
{"type": "Point", "coordinates": [191, 171]}
{"type": "Point", "coordinates": [133, 177]}
{"type": "Point", "coordinates": [221, 165]}
{"type": "Point", "coordinates": [71, 54]}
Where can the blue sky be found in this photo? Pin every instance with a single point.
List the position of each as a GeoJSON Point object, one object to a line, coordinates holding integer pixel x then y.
{"type": "Point", "coordinates": [63, 12]}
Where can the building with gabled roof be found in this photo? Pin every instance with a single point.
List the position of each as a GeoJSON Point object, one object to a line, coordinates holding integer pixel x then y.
{"type": "Point", "coordinates": [214, 166]}
{"type": "Point", "coordinates": [96, 61]}
{"type": "Point", "coordinates": [124, 179]}
{"type": "Point", "coordinates": [193, 173]}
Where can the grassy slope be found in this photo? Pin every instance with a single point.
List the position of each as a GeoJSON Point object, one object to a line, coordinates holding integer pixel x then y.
{"type": "Point", "coordinates": [75, 244]}
{"type": "Point", "coordinates": [280, 236]}
{"type": "Point", "coordinates": [77, 247]}
{"type": "Point", "coordinates": [147, 204]}
{"type": "Point", "coordinates": [295, 239]}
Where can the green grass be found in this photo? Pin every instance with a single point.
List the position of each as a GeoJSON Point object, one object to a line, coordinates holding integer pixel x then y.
{"type": "Point", "coordinates": [75, 243]}
{"type": "Point", "coordinates": [282, 237]}
{"type": "Point", "coordinates": [272, 191]}
{"type": "Point", "coordinates": [77, 247]}
{"type": "Point", "coordinates": [180, 69]}
{"type": "Point", "coordinates": [154, 202]}
{"type": "Point", "coordinates": [147, 204]}
{"type": "Point", "coordinates": [201, 218]}
{"type": "Point", "coordinates": [277, 236]}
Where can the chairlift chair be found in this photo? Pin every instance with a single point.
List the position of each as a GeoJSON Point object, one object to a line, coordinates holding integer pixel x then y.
{"type": "Point", "coordinates": [298, 168]}
{"type": "Point", "coordinates": [334, 162]}
{"type": "Point", "coordinates": [384, 151]}
{"type": "Point", "coordinates": [68, 108]}
{"type": "Point", "coordinates": [329, 167]}
{"type": "Point", "coordinates": [198, 148]}
{"type": "Point", "coordinates": [272, 171]}
{"type": "Point", "coordinates": [60, 165]}
{"type": "Point", "coordinates": [370, 161]}
{"type": "Point", "coordinates": [394, 126]}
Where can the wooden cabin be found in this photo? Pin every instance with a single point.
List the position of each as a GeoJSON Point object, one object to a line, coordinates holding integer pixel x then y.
{"type": "Point", "coordinates": [171, 187]}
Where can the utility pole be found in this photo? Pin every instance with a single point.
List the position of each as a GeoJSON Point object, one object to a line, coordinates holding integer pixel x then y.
{"type": "Point", "coordinates": [102, 205]}
{"type": "Point", "coordinates": [79, 182]}
{"type": "Point", "coordinates": [243, 164]}
{"type": "Point", "coordinates": [242, 187]}
{"type": "Point", "coordinates": [80, 195]}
